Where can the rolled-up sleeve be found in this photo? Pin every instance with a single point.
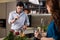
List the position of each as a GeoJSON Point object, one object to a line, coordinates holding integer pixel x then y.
{"type": "Point", "coordinates": [10, 17]}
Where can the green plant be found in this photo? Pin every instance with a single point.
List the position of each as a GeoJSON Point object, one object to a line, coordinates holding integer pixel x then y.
{"type": "Point", "coordinates": [20, 38]}
{"type": "Point", "coordinates": [45, 28]}
{"type": "Point", "coordinates": [12, 37]}
{"type": "Point", "coordinates": [9, 37]}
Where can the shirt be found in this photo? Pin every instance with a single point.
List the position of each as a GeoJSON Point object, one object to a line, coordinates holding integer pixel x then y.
{"type": "Point", "coordinates": [52, 31]}
{"type": "Point", "coordinates": [23, 20]}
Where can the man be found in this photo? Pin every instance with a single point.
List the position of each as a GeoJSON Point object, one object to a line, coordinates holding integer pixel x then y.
{"type": "Point", "coordinates": [18, 19]}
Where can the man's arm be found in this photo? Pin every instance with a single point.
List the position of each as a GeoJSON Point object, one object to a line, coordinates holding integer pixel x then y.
{"type": "Point", "coordinates": [11, 19]}
{"type": "Point", "coordinates": [26, 22]}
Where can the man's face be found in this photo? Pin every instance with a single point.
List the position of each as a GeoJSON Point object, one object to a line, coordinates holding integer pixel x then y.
{"type": "Point", "coordinates": [19, 9]}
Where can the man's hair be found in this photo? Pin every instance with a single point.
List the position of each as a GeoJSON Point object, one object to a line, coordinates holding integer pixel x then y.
{"type": "Point", "coordinates": [20, 4]}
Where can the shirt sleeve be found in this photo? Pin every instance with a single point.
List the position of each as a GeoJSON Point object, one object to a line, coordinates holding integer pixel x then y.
{"type": "Point", "coordinates": [10, 17]}
{"type": "Point", "coordinates": [27, 21]}
{"type": "Point", "coordinates": [50, 30]}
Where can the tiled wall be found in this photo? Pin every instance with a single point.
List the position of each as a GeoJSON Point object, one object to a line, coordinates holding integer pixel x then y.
{"type": "Point", "coordinates": [2, 10]}
{"type": "Point", "coordinates": [2, 16]}
{"type": "Point", "coordinates": [3, 32]}
{"type": "Point", "coordinates": [36, 20]}
{"type": "Point", "coordinates": [5, 8]}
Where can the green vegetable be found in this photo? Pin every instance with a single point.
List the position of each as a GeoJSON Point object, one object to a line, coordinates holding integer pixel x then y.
{"type": "Point", "coordinates": [12, 37]}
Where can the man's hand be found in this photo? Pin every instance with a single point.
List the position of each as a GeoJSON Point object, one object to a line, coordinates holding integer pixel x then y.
{"type": "Point", "coordinates": [12, 21]}
{"type": "Point", "coordinates": [16, 17]}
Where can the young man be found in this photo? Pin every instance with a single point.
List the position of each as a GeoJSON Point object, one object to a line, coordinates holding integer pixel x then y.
{"type": "Point", "coordinates": [18, 19]}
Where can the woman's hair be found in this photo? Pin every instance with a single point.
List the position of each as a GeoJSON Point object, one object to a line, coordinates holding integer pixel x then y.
{"type": "Point", "coordinates": [55, 11]}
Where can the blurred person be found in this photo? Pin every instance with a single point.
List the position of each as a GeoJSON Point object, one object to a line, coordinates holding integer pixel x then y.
{"type": "Point", "coordinates": [53, 31]}
{"type": "Point", "coordinates": [27, 10]}
{"type": "Point", "coordinates": [18, 19]}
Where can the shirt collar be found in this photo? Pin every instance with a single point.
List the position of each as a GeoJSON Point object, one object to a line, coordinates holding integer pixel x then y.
{"type": "Point", "coordinates": [20, 13]}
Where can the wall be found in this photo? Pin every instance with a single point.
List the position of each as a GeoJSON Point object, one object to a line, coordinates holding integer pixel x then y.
{"type": "Point", "coordinates": [2, 16]}
{"type": "Point", "coordinates": [2, 10]}
{"type": "Point", "coordinates": [5, 8]}
{"type": "Point", "coordinates": [36, 20]}
{"type": "Point", "coordinates": [3, 1]}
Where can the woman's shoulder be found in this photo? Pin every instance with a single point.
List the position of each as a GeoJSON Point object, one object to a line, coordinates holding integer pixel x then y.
{"type": "Point", "coordinates": [51, 25]}
{"type": "Point", "coordinates": [52, 22]}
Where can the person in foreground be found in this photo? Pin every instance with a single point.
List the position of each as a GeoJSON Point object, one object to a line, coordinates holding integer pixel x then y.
{"type": "Point", "coordinates": [54, 26]}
